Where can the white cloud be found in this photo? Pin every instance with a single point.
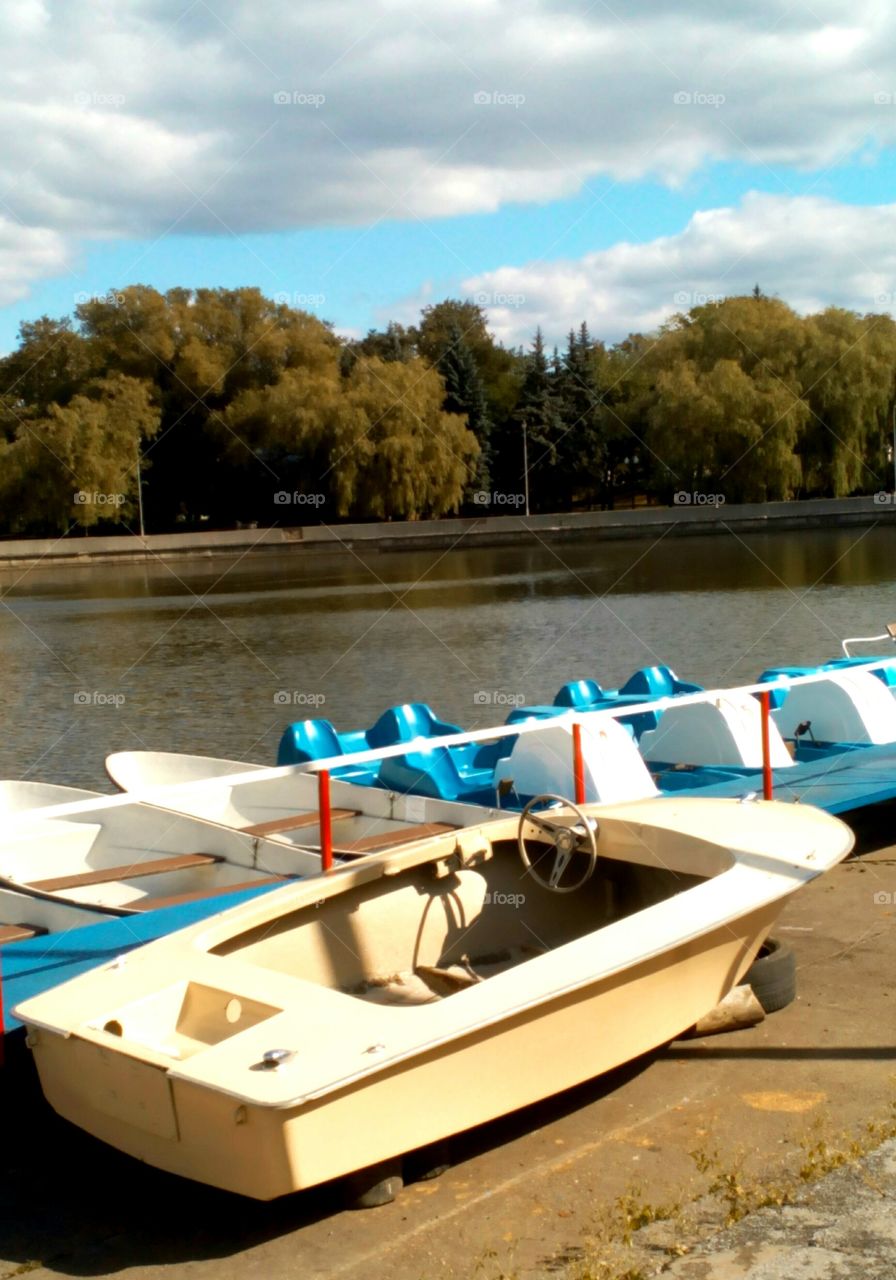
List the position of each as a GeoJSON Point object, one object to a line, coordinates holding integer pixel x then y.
{"type": "Point", "coordinates": [27, 254]}
{"type": "Point", "coordinates": [811, 252]}
{"type": "Point", "coordinates": [133, 119]}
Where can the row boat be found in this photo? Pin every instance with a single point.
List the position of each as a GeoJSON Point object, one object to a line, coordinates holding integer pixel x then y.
{"type": "Point", "coordinates": [88, 859]}
{"type": "Point", "coordinates": [332, 1025]}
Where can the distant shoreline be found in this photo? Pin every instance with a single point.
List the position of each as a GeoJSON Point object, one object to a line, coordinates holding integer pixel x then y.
{"type": "Point", "coordinates": [509, 530]}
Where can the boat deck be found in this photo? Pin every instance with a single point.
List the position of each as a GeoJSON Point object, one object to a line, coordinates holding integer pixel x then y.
{"type": "Point", "coordinates": [840, 782]}
{"type": "Point", "coordinates": [33, 965]}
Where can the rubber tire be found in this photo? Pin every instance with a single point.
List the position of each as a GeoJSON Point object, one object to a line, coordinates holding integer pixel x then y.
{"type": "Point", "coordinates": [772, 975]}
{"type": "Point", "coordinates": [377, 1185]}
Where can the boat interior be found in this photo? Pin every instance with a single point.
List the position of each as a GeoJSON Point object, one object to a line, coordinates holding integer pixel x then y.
{"type": "Point", "coordinates": [416, 936]}
{"type": "Point", "coordinates": [136, 858]}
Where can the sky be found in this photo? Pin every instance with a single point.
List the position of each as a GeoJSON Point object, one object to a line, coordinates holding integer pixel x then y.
{"type": "Point", "coordinates": [554, 160]}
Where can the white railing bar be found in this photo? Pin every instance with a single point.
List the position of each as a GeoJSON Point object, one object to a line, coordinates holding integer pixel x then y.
{"type": "Point", "coordinates": [573, 714]}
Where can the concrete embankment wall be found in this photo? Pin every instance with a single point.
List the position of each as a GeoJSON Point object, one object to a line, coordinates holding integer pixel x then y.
{"type": "Point", "coordinates": [439, 534]}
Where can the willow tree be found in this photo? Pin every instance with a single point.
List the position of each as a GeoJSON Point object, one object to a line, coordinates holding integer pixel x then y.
{"type": "Point", "coordinates": [848, 371]}
{"type": "Point", "coordinates": [724, 403]}
{"type": "Point", "coordinates": [77, 464]}
{"type": "Point", "coordinates": [394, 451]}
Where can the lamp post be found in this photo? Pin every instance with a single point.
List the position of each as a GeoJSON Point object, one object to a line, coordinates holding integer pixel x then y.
{"type": "Point", "coordinates": [526, 463]}
{"type": "Point", "coordinates": [140, 493]}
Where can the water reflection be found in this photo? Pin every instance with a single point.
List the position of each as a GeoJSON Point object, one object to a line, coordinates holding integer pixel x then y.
{"type": "Point", "coordinates": [199, 650]}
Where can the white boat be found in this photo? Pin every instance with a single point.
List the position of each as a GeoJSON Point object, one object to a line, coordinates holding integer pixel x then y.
{"type": "Point", "coordinates": [278, 800]}
{"type": "Point", "coordinates": [335, 1024]}
{"type": "Point", "coordinates": [77, 862]}
{"type": "Point", "coordinates": [20, 796]}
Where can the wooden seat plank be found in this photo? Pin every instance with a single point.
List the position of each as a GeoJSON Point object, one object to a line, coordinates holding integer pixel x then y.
{"type": "Point", "coordinates": [128, 871]}
{"type": "Point", "coordinates": [151, 904]}
{"type": "Point", "coordinates": [297, 820]}
{"type": "Point", "coordinates": [19, 932]}
{"type": "Point", "coordinates": [386, 839]}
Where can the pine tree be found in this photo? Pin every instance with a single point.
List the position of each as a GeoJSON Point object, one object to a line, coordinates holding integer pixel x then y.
{"type": "Point", "coordinates": [465, 394]}
{"type": "Point", "coordinates": [538, 415]}
{"type": "Point", "coordinates": [583, 450]}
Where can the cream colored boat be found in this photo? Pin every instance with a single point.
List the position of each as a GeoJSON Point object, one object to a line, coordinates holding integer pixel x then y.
{"type": "Point", "coordinates": [337, 1023]}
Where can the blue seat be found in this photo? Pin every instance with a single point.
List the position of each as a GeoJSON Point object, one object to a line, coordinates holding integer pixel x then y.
{"type": "Point", "coordinates": [413, 720]}
{"type": "Point", "coordinates": [434, 773]}
{"type": "Point", "coordinates": [579, 693]}
{"type": "Point", "coordinates": [519, 715]}
{"type": "Point", "coordinates": [656, 682]}
{"type": "Point", "coordinates": [307, 740]}
{"type": "Point", "coordinates": [647, 685]}
{"type": "Point", "coordinates": [777, 696]}
{"type": "Point", "coordinates": [406, 722]}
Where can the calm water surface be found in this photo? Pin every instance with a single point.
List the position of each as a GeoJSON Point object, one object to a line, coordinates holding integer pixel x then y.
{"type": "Point", "coordinates": [215, 657]}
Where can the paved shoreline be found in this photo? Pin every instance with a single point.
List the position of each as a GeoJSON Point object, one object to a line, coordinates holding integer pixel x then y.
{"type": "Point", "coordinates": [641, 522]}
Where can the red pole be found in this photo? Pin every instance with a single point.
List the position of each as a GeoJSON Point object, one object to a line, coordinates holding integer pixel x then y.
{"type": "Point", "coordinates": [578, 764]}
{"type": "Point", "coordinates": [765, 703]}
{"type": "Point", "coordinates": [326, 823]}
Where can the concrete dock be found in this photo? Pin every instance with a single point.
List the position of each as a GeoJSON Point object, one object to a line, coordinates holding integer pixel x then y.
{"type": "Point", "coordinates": [681, 520]}
{"type": "Point", "coordinates": [771, 1128]}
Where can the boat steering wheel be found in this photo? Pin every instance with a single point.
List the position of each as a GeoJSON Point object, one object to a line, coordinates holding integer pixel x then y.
{"type": "Point", "coordinates": [565, 840]}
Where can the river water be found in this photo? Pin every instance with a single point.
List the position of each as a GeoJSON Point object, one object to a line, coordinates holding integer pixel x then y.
{"type": "Point", "coordinates": [215, 657]}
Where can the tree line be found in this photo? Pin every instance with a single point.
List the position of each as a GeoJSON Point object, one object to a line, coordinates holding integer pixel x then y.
{"type": "Point", "coordinates": [212, 407]}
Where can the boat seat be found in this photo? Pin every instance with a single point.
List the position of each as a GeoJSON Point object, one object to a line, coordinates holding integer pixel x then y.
{"type": "Point", "coordinates": [296, 821]}
{"type": "Point", "coordinates": [404, 835]}
{"type": "Point", "coordinates": [150, 904]}
{"type": "Point", "coordinates": [128, 871]}
{"type": "Point", "coordinates": [435, 772]}
{"type": "Point", "coordinates": [405, 723]}
{"type": "Point", "coordinates": [308, 740]}
{"type": "Point", "coordinates": [19, 932]}
{"type": "Point", "coordinates": [579, 694]}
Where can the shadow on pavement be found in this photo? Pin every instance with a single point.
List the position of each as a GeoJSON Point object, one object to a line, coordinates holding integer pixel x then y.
{"type": "Point", "coordinates": [78, 1206]}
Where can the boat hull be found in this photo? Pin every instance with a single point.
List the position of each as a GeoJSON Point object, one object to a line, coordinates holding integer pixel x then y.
{"type": "Point", "coordinates": [266, 1152]}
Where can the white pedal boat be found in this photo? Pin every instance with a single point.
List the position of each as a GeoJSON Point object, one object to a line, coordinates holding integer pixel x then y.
{"type": "Point", "coordinates": [335, 1024]}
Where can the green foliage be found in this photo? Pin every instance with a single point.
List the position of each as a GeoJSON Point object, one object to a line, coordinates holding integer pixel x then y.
{"type": "Point", "coordinates": [465, 395]}
{"type": "Point", "coordinates": [229, 398]}
{"type": "Point", "coordinates": [77, 463]}
{"type": "Point", "coordinates": [395, 453]}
